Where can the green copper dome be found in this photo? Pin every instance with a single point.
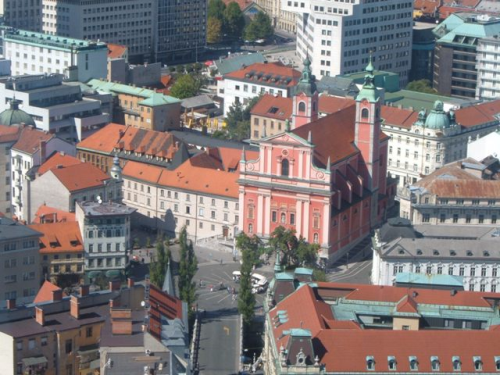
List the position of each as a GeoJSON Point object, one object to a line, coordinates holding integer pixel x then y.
{"type": "Point", "coordinates": [438, 118]}
{"type": "Point", "coordinates": [14, 115]}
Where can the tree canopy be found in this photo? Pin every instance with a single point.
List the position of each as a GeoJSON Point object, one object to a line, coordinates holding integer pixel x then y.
{"type": "Point", "coordinates": [214, 30]}
{"type": "Point", "coordinates": [216, 9]}
{"type": "Point", "coordinates": [158, 268]}
{"type": "Point", "coordinates": [423, 85]}
{"type": "Point", "coordinates": [260, 27]}
{"type": "Point", "coordinates": [234, 22]}
{"type": "Point", "coordinates": [185, 87]}
{"type": "Point", "coordinates": [238, 119]}
{"type": "Point", "coordinates": [249, 247]}
{"type": "Point", "coordinates": [295, 251]}
{"type": "Point", "coordinates": [188, 265]}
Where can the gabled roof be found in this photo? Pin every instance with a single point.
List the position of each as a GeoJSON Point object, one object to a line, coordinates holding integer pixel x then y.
{"type": "Point", "coordinates": [30, 138]}
{"type": "Point", "coordinates": [58, 159]}
{"type": "Point", "coordinates": [105, 139]}
{"type": "Point", "coordinates": [407, 305]}
{"type": "Point", "coordinates": [46, 214]}
{"type": "Point", "coordinates": [80, 176]}
{"type": "Point", "coordinates": [9, 133]}
{"type": "Point", "coordinates": [270, 74]}
{"type": "Point", "coordinates": [331, 104]}
{"type": "Point", "coordinates": [116, 51]}
{"type": "Point", "coordinates": [403, 118]}
{"type": "Point", "coordinates": [62, 237]}
{"type": "Point", "coordinates": [271, 106]}
{"type": "Point", "coordinates": [45, 292]}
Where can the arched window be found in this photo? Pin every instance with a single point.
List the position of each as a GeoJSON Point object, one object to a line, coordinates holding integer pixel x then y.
{"type": "Point", "coordinates": [365, 113]}
{"type": "Point", "coordinates": [283, 218]}
{"type": "Point", "coordinates": [302, 107]}
{"type": "Point", "coordinates": [285, 167]}
{"type": "Point", "coordinates": [457, 366]}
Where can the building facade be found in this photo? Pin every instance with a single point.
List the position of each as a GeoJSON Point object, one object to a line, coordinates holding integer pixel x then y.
{"type": "Point", "coordinates": [133, 23]}
{"type": "Point", "coordinates": [426, 250]}
{"type": "Point", "coordinates": [22, 14]}
{"type": "Point", "coordinates": [55, 107]}
{"type": "Point", "coordinates": [35, 53]}
{"type": "Point", "coordinates": [464, 192]}
{"type": "Point", "coordinates": [260, 78]}
{"type": "Point", "coordinates": [8, 137]}
{"type": "Point", "coordinates": [456, 56]}
{"type": "Point", "coordinates": [322, 179]}
{"type": "Point", "coordinates": [487, 82]}
{"type": "Point", "coordinates": [422, 142]}
{"type": "Point", "coordinates": [19, 263]}
{"type": "Point", "coordinates": [339, 37]}
{"type": "Point", "coordinates": [280, 19]}
{"type": "Point", "coordinates": [141, 107]}
{"type": "Point", "coordinates": [105, 229]}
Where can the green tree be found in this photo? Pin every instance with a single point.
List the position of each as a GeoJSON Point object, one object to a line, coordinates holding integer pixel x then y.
{"type": "Point", "coordinates": [234, 22]}
{"type": "Point", "coordinates": [188, 265]}
{"type": "Point", "coordinates": [158, 268]}
{"type": "Point", "coordinates": [246, 299]}
{"type": "Point", "coordinates": [423, 85]}
{"type": "Point", "coordinates": [295, 251]}
{"type": "Point", "coordinates": [238, 119]}
{"type": "Point", "coordinates": [185, 87]}
{"type": "Point", "coordinates": [216, 9]}
{"type": "Point", "coordinates": [259, 28]}
{"type": "Point", "coordinates": [214, 30]}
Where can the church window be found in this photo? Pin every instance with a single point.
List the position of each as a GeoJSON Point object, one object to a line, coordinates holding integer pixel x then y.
{"type": "Point", "coordinates": [274, 216]}
{"type": "Point", "coordinates": [302, 107]}
{"type": "Point", "coordinates": [364, 113]}
{"type": "Point", "coordinates": [283, 218]}
{"type": "Point", "coordinates": [285, 168]}
{"type": "Point", "coordinates": [316, 238]}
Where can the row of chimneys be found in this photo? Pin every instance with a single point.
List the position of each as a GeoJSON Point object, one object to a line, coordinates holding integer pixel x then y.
{"type": "Point", "coordinates": [75, 300]}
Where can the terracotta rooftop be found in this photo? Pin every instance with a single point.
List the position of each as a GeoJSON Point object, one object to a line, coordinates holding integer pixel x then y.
{"type": "Point", "coordinates": [242, 3]}
{"type": "Point", "coordinates": [426, 6]}
{"type": "Point", "coordinates": [394, 116]}
{"type": "Point", "coordinates": [270, 74]}
{"type": "Point", "coordinates": [30, 138]}
{"type": "Point", "coordinates": [58, 159]}
{"type": "Point", "coordinates": [9, 133]}
{"type": "Point", "coordinates": [62, 237]}
{"type": "Point", "coordinates": [454, 181]}
{"type": "Point", "coordinates": [80, 176]}
{"type": "Point", "coordinates": [276, 107]}
{"type": "Point", "coordinates": [116, 51]}
{"type": "Point", "coordinates": [46, 214]}
{"type": "Point", "coordinates": [104, 140]}
{"type": "Point", "coordinates": [45, 292]}
{"type": "Point", "coordinates": [331, 104]}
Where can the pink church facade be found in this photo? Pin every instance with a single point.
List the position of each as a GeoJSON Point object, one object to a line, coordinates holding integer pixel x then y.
{"type": "Point", "coordinates": [326, 178]}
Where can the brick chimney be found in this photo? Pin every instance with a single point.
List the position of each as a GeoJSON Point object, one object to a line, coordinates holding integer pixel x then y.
{"type": "Point", "coordinates": [130, 282]}
{"type": "Point", "coordinates": [84, 290]}
{"type": "Point", "coordinates": [57, 295]}
{"type": "Point", "coordinates": [75, 307]}
{"type": "Point", "coordinates": [115, 285]}
{"type": "Point", "coordinates": [39, 316]}
{"type": "Point", "coordinates": [43, 151]}
{"type": "Point", "coordinates": [114, 303]}
{"type": "Point", "coordinates": [11, 304]}
{"type": "Point", "coordinates": [121, 321]}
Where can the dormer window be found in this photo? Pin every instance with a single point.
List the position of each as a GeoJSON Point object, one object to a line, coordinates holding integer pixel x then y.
{"type": "Point", "coordinates": [435, 363]}
{"type": "Point", "coordinates": [478, 363]}
{"type": "Point", "coordinates": [457, 365]}
{"type": "Point", "coordinates": [413, 363]}
{"type": "Point", "coordinates": [497, 363]}
{"type": "Point", "coordinates": [391, 363]}
{"type": "Point", "coordinates": [435, 252]}
{"type": "Point", "coordinates": [370, 363]}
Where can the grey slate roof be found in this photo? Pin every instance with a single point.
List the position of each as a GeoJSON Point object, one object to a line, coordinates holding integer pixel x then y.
{"type": "Point", "coordinates": [11, 230]}
{"type": "Point", "coordinates": [338, 86]}
{"type": "Point", "coordinates": [197, 102]}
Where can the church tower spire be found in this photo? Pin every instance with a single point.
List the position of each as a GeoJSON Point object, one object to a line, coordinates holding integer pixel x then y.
{"type": "Point", "coordinates": [305, 98]}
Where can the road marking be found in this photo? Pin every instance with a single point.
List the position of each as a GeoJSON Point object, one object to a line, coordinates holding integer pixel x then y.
{"type": "Point", "coordinates": [229, 277]}
{"type": "Point", "coordinates": [223, 299]}
{"type": "Point", "coordinates": [350, 274]}
{"type": "Point", "coordinates": [214, 296]}
{"type": "Point", "coordinates": [226, 329]}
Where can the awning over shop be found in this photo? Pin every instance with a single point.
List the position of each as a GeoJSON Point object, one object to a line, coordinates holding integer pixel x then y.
{"type": "Point", "coordinates": [33, 361]}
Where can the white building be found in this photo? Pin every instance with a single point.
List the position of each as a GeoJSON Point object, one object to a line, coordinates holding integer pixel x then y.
{"type": "Point", "coordinates": [471, 253]}
{"type": "Point", "coordinates": [54, 106]}
{"type": "Point", "coordinates": [481, 148]}
{"type": "Point", "coordinates": [32, 148]}
{"type": "Point", "coordinates": [488, 79]}
{"type": "Point", "coordinates": [105, 229]}
{"type": "Point", "coordinates": [423, 142]}
{"type": "Point", "coordinates": [338, 36]}
{"type": "Point", "coordinates": [259, 78]}
{"type": "Point", "coordinates": [126, 22]}
{"type": "Point", "coordinates": [35, 53]}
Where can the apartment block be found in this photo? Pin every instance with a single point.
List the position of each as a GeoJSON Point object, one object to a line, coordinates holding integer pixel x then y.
{"type": "Point", "coordinates": [338, 37]}
{"type": "Point", "coordinates": [22, 14]}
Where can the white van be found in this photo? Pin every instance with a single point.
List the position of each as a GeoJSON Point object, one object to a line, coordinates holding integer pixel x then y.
{"type": "Point", "coordinates": [236, 276]}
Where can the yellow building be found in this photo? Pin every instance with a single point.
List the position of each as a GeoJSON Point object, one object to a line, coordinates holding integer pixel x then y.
{"type": "Point", "coordinates": [61, 249]}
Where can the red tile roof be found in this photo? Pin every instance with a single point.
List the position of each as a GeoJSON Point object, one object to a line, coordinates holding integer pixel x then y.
{"type": "Point", "coordinates": [264, 74]}
{"type": "Point", "coordinates": [394, 116]}
{"type": "Point", "coordinates": [426, 6]}
{"type": "Point", "coordinates": [9, 133]}
{"type": "Point", "coordinates": [45, 292]}
{"type": "Point", "coordinates": [276, 107]}
{"type": "Point", "coordinates": [62, 237]}
{"type": "Point", "coordinates": [30, 138]}
{"type": "Point", "coordinates": [478, 114]}
{"type": "Point", "coordinates": [46, 214]}
{"type": "Point", "coordinates": [58, 159]}
{"type": "Point", "coordinates": [330, 104]}
{"type": "Point", "coordinates": [116, 51]}
{"type": "Point", "coordinates": [80, 176]}
{"type": "Point", "coordinates": [242, 3]}
{"type": "Point", "coordinates": [129, 138]}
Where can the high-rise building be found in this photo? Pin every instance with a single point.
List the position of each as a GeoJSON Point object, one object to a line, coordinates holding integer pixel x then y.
{"type": "Point", "coordinates": [128, 22]}
{"type": "Point", "coordinates": [22, 14]}
{"type": "Point", "coordinates": [181, 30]}
{"type": "Point", "coordinates": [339, 37]}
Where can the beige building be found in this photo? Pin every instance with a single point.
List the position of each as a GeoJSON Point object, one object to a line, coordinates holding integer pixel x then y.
{"type": "Point", "coordinates": [280, 19]}
{"type": "Point", "coordinates": [423, 142]}
{"type": "Point", "coordinates": [201, 194]}
{"type": "Point", "coordinates": [464, 192]}
{"type": "Point", "coordinates": [19, 263]}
